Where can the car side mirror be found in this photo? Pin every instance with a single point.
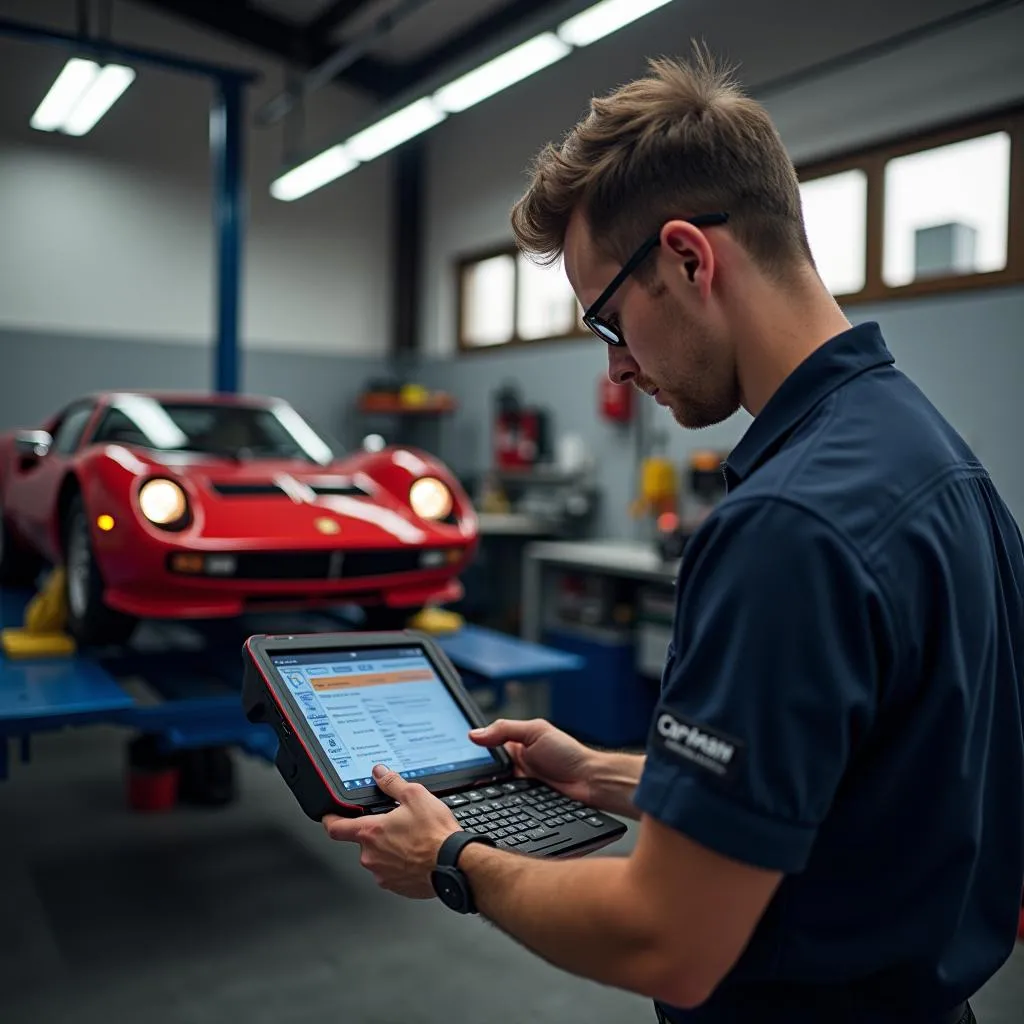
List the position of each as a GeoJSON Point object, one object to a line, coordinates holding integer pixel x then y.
{"type": "Point", "coordinates": [32, 444]}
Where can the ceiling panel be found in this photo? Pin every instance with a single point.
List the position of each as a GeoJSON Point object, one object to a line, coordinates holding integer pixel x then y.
{"type": "Point", "coordinates": [299, 11]}
{"type": "Point", "coordinates": [421, 31]}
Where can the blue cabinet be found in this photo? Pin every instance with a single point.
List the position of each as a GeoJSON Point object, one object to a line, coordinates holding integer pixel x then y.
{"type": "Point", "coordinates": [605, 703]}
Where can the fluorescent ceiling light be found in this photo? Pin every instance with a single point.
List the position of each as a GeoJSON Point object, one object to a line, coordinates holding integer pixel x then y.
{"type": "Point", "coordinates": [471, 88]}
{"type": "Point", "coordinates": [313, 174]}
{"type": "Point", "coordinates": [107, 86]}
{"type": "Point", "coordinates": [395, 129]}
{"type": "Point", "coordinates": [75, 78]}
{"type": "Point", "coordinates": [500, 73]}
{"type": "Point", "coordinates": [604, 18]}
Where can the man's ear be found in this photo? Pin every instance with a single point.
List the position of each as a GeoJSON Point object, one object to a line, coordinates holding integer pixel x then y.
{"type": "Point", "coordinates": [690, 245]}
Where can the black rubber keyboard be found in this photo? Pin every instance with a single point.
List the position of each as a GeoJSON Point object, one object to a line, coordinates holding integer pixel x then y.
{"type": "Point", "coordinates": [524, 813]}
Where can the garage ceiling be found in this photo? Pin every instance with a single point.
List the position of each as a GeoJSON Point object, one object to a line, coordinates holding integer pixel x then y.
{"type": "Point", "coordinates": [307, 32]}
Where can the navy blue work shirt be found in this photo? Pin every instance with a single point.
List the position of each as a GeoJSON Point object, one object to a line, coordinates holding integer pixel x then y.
{"type": "Point", "coordinates": [843, 701]}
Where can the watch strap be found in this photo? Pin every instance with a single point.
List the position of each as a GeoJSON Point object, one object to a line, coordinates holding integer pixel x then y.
{"type": "Point", "coordinates": [452, 847]}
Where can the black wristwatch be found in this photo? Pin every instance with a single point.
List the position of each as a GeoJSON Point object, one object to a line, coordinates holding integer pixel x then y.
{"type": "Point", "coordinates": [450, 884]}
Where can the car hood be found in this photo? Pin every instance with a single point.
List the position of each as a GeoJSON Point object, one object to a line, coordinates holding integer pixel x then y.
{"type": "Point", "coordinates": [291, 503]}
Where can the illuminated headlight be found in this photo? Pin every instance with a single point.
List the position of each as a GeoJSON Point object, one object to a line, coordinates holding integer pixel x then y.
{"type": "Point", "coordinates": [163, 502]}
{"type": "Point", "coordinates": [430, 499]}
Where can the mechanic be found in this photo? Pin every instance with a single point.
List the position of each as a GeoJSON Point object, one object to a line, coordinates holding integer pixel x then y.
{"type": "Point", "coordinates": [831, 799]}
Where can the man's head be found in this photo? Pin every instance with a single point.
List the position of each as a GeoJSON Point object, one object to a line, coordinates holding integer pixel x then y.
{"type": "Point", "coordinates": [680, 144]}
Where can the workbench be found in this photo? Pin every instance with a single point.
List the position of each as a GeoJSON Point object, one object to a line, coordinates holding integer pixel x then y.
{"type": "Point", "coordinates": [629, 560]}
{"type": "Point", "coordinates": [181, 681]}
{"type": "Point", "coordinates": [612, 701]}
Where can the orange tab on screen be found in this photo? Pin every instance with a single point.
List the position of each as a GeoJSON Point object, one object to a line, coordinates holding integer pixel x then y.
{"type": "Point", "coordinates": [410, 675]}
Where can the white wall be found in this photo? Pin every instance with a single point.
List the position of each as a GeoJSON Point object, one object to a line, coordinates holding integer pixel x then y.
{"type": "Point", "coordinates": [111, 235]}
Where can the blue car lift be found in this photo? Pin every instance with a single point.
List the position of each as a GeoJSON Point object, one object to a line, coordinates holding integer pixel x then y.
{"type": "Point", "coordinates": [181, 681]}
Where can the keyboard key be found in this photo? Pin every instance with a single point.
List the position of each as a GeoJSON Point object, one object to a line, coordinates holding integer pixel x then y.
{"type": "Point", "coordinates": [539, 833]}
{"type": "Point", "coordinates": [499, 833]}
{"type": "Point", "coordinates": [455, 800]}
{"type": "Point", "coordinates": [475, 796]}
{"type": "Point", "coordinates": [594, 821]}
{"type": "Point", "coordinates": [461, 813]}
{"type": "Point", "coordinates": [492, 791]}
{"type": "Point", "coordinates": [583, 812]}
{"type": "Point", "coordinates": [503, 843]}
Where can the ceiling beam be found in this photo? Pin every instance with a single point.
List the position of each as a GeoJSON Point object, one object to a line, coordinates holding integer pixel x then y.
{"type": "Point", "coordinates": [278, 37]}
{"type": "Point", "coordinates": [478, 35]}
{"type": "Point", "coordinates": [331, 17]}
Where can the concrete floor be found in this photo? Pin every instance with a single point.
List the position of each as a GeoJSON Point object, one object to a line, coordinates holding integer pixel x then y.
{"type": "Point", "coordinates": [250, 914]}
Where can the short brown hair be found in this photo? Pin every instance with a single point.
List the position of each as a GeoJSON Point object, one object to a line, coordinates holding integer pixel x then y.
{"type": "Point", "coordinates": [683, 140]}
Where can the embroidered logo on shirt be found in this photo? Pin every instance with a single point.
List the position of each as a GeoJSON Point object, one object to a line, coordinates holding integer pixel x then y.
{"type": "Point", "coordinates": [707, 748]}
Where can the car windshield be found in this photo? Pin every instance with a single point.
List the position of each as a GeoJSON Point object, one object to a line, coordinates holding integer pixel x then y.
{"type": "Point", "coordinates": [232, 431]}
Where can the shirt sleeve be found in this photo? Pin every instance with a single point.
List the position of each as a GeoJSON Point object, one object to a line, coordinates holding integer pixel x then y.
{"type": "Point", "coordinates": [771, 682]}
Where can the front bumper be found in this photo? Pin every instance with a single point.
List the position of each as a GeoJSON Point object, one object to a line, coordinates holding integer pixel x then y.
{"type": "Point", "coordinates": [169, 581]}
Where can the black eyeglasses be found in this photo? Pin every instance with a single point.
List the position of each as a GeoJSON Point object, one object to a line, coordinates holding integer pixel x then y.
{"type": "Point", "coordinates": [608, 332]}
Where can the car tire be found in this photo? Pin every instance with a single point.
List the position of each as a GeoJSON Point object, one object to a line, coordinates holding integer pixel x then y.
{"type": "Point", "coordinates": [19, 565]}
{"type": "Point", "coordinates": [90, 621]}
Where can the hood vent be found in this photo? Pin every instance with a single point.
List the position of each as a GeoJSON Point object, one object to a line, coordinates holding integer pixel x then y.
{"type": "Point", "coordinates": [272, 490]}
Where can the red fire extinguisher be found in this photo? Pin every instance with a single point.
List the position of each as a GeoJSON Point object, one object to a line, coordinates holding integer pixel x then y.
{"type": "Point", "coordinates": [615, 400]}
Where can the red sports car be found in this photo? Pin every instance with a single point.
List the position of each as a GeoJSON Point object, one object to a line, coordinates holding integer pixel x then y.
{"type": "Point", "coordinates": [186, 506]}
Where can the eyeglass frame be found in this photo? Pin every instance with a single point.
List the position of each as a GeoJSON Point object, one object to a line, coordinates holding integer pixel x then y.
{"type": "Point", "coordinates": [597, 324]}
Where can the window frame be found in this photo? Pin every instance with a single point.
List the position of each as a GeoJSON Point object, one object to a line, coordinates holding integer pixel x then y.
{"type": "Point", "coordinates": [872, 161]}
{"type": "Point", "coordinates": [516, 341]}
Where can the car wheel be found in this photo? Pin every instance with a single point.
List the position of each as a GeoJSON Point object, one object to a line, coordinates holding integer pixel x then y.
{"type": "Point", "coordinates": [19, 565]}
{"type": "Point", "coordinates": [90, 621]}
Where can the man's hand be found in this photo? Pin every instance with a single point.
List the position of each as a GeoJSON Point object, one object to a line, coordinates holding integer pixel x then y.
{"type": "Point", "coordinates": [540, 751]}
{"type": "Point", "coordinates": [399, 847]}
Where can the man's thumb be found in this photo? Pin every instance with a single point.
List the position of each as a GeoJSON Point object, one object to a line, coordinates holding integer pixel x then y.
{"type": "Point", "coordinates": [506, 730]}
{"type": "Point", "coordinates": [389, 782]}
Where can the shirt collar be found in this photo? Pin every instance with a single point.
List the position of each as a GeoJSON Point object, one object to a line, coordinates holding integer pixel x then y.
{"type": "Point", "coordinates": [838, 361]}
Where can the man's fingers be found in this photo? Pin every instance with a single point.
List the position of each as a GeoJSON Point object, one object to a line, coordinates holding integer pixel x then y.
{"type": "Point", "coordinates": [344, 830]}
{"type": "Point", "coordinates": [505, 730]}
{"type": "Point", "coordinates": [391, 783]}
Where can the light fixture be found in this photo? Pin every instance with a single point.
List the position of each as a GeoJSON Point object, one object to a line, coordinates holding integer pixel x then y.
{"type": "Point", "coordinates": [395, 129]}
{"type": "Point", "coordinates": [75, 78]}
{"type": "Point", "coordinates": [81, 95]}
{"type": "Point", "coordinates": [482, 82]}
{"type": "Point", "coordinates": [502, 72]}
{"type": "Point", "coordinates": [313, 174]}
{"type": "Point", "coordinates": [604, 18]}
{"type": "Point", "coordinates": [104, 92]}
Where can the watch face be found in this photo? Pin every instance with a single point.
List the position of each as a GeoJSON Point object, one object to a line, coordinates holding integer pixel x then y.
{"type": "Point", "coordinates": [450, 888]}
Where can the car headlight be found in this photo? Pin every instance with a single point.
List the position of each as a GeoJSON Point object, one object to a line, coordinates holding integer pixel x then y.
{"type": "Point", "coordinates": [163, 502]}
{"type": "Point", "coordinates": [430, 499]}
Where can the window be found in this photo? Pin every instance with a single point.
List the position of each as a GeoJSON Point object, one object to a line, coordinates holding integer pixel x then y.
{"type": "Point", "coordinates": [505, 298]}
{"type": "Point", "coordinates": [939, 212]}
{"type": "Point", "coordinates": [835, 215]}
{"type": "Point", "coordinates": [488, 290]}
{"type": "Point", "coordinates": [545, 304]}
{"type": "Point", "coordinates": [72, 425]}
{"type": "Point", "coordinates": [947, 210]}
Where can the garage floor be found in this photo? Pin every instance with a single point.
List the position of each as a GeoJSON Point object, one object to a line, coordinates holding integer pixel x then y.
{"type": "Point", "coordinates": [250, 914]}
